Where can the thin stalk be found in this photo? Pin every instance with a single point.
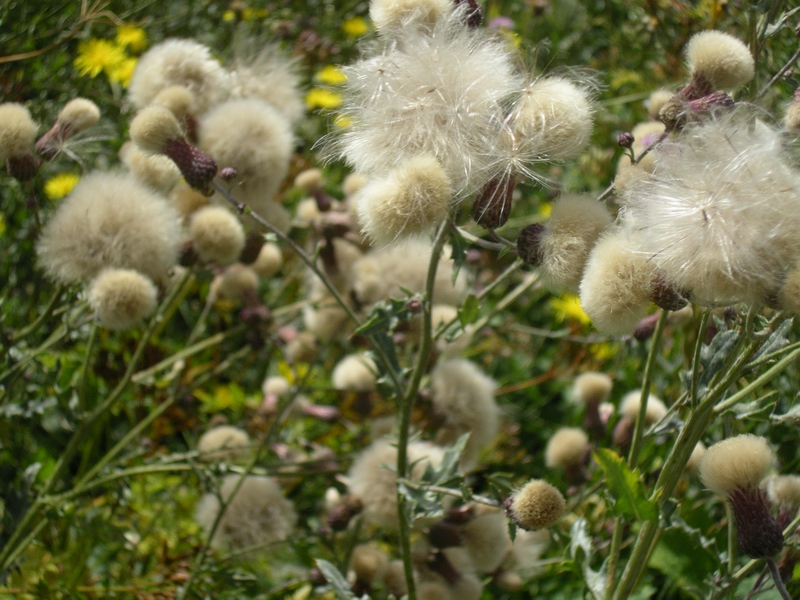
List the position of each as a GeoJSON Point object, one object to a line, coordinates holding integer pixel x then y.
{"type": "Point", "coordinates": [407, 403]}
{"type": "Point", "coordinates": [698, 346]}
{"type": "Point", "coordinates": [613, 558]}
{"type": "Point", "coordinates": [731, 537]}
{"type": "Point", "coordinates": [78, 438]}
{"type": "Point", "coordinates": [647, 379]}
{"type": "Point", "coordinates": [84, 370]}
{"type": "Point", "coordinates": [776, 576]}
{"type": "Point", "coordinates": [42, 318]}
{"type": "Point", "coordinates": [527, 283]}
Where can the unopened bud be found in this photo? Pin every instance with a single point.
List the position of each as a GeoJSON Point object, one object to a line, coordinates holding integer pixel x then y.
{"type": "Point", "coordinates": [444, 535]}
{"type": "Point", "coordinates": [492, 206]}
{"type": "Point", "coordinates": [665, 296]}
{"type": "Point", "coordinates": [625, 139]}
{"type": "Point", "coordinates": [340, 515]}
{"type": "Point", "coordinates": [529, 244]}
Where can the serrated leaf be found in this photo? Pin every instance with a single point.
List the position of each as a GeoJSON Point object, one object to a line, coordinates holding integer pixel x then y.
{"type": "Point", "coordinates": [713, 356]}
{"type": "Point", "coordinates": [790, 417]}
{"type": "Point", "coordinates": [470, 310]}
{"type": "Point", "coordinates": [625, 486]}
{"type": "Point", "coordinates": [776, 340]}
{"type": "Point", "coordinates": [336, 580]}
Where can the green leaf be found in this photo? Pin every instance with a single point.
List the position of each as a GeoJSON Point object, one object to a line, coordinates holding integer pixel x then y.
{"type": "Point", "coordinates": [683, 555]}
{"type": "Point", "coordinates": [459, 251]}
{"type": "Point", "coordinates": [336, 580]}
{"type": "Point", "coordinates": [469, 311]}
{"type": "Point", "coordinates": [625, 486]}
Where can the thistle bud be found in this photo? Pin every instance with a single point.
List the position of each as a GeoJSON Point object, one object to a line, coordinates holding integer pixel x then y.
{"type": "Point", "coordinates": [492, 206]}
{"type": "Point", "coordinates": [156, 130]}
{"type": "Point", "coordinates": [77, 115]}
{"type": "Point", "coordinates": [734, 468]}
{"type": "Point", "coordinates": [529, 244]}
{"type": "Point", "coordinates": [625, 139]}
{"type": "Point", "coordinates": [340, 515]}
{"type": "Point", "coordinates": [536, 506]}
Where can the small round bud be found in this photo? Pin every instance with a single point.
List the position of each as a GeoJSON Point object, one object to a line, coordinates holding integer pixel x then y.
{"type": "Point", "coordinates": [227, 174]}
{"type": "Point", "coordinates": [567, 449]}
{"type": "Point", "coordinates": [529, 244]}
{"type": "Point", "coordinates": [222, 443]}
{"type": "Point", "coordinates": [121, 298]}
{"type": "Point", "coordinates": [269, 260]}
{"type": "Point", "coordinates": [625, 139]}
{"type": "Point", "coordinates": [17, 131]}
{"type": "Point", "coordinates": [592, 387]}
{"type": "Point", "coordinates": [217, 235]}
{"type": "Point", "coordinates": [725, 61]}
{"type": "Point", "coordinates": [492, 206]}
{"type": "Point", "coordinates": [537, 505]}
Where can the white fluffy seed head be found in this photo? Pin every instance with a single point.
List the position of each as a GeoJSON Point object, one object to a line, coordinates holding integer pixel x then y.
{"type": "Point", "coordinates": [616, 285]}
{"type": "Point", "coordinates": [391, 17]}
{"type": "Point", "coordinates": [592, 387]}
{"type": "Point", "coordinates": [217, 235]}
{"type": "Point", "coordinates": [155, 171]}
{"type": "Point", "coordinates": [384, 274]}
{"type": "Point", "coordinates": [557, 114]}
{"type": "Point", "coordinates": [789, 294]}
{"type": "Point", "coordinates": [177, 98]}
{"type": "Point", "coordinates": [567, 448]}
{"type": "Point", "coordinates": [78, 115]}
{"type": "Point", "coordinates": [411, 199]}
{"type": "Point", "coordinates": [252, 137]}
{"type": "Point", "coordinates": [718, 217]}
{"type": "Point", "coordinates": [237, 282]}
{"type": "Point", "coordinates": [575, 224]}
{"type": "Point", "coordinates": [17, 130]}
{"type": "Point", "coordinates": [355, 372]}
{"type": "Point", "coordinates": [443, 91]}
{"type": "Point", "coordinates": [179, 62]}
{"type": "Point", "coordinates": [153, 127]}
{"type": "Point", "coordinates": [631, 403]}
{"type": "Point", "coordinates": [486, 540]}
{"type": "Point", "coordinates": [309, 180]}
{"type": "Point", "coordinates": [739, 462]}
{"type": "Point", "coordinates": [258, 513]}
{"type": "Point", "coordinates": [536, 505]}
{"type": "Point", "coordinates": [693, 464]}
{"type": "Point", "coordinates": [223, 443]}
{"type": "Point", "coordinates": [725, 61]}
{"type": "Point", "coordinates": [783, 492]}
{"type": "Point", "coordinates": [269, 260]}
{"type": "Point", "coordinates": [122, 298]}
{"type": "Point", "coordinates": [110, 220]}
{"type": "Point", "coordinates": [373, 479]}
{"type": "Point", "coordinates": [656, 100]}
{"type": "Point", "coordinates": [368, 562]}
{"type": "Point", "coordinates": [736, 463]}
{"type": "Point", "coordinates": [464, 396]}
{"type": "Point", "coordinates": [264, 72]}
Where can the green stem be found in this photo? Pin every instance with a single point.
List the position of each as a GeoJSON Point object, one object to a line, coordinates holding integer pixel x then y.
{"type": "Point", "coordinates": [647, 379]}
{"type": "Point", "coordinates": [698, 346]}
{"type": "Point", "coordinates": [613, 558]}
{"type": "Point", "coordinates": [26, 331]}
{"type": "Point", "coordinates": [407, 403]}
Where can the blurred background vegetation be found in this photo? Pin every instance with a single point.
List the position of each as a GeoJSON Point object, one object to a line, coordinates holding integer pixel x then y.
{"type": "Point", "coordinates": [135, 536]}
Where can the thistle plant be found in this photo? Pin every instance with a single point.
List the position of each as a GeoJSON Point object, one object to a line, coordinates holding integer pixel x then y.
{"type": "Point", "coordinates": [289, 345]}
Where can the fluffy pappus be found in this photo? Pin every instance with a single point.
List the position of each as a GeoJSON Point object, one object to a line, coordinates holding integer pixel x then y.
{"type": "Point", "coordinates": [217, 235]}
{"type": "Point", "coordinates": [179, 62]}
{"type": "Point", "coordinates": [110, 220]}
{"type": "Point", "coordinates": [252, 137]}
{"type": "Point", "coordinates": [222, 443]}
{"type": "Point", "coordinates": [122, 298]}
{"type": "Point", "coordinates": [410, 199]}
{"type": "Point", "coordinates": [724, 60]}
{"type": "Point", "coordinates": [464, 396]}
{"type": "Point", "coordinates": [258, 513]}
{"type": "Point", "coordinates": [17, 131]}
{"type": "Point", "coordinates": [575, 224]}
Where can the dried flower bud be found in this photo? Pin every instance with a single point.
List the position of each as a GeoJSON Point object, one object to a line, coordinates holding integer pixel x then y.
{"type": "Point", "coordinates": [340, 515]}
{"type": "Point", "coordinates": [625, 139]}
{"type": "Point", "coordinates": [529, 244]}
{"type": "Point", "coordinates": [492, 206]}
{"type": "Point", "coordinates": [537, 505]}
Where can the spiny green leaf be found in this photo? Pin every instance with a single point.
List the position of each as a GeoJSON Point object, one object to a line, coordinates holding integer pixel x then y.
{"type": "Point", "coordinates": [469, 311]}
{"type": "Point", "coordinates": [625, 486]}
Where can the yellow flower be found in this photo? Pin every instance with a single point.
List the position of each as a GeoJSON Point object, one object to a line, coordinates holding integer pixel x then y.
{"type": "Point", "coordinates": [98, 55]}
{"type": "Point", "coordinates": [569, 306]}
{"type": "Point", "coordinates": [545, 209]}
{"type": "Point", "coordinates": [60, 185]}
{"type": "Point", "coordinates": [123, 72]}
{"type": "Point", "coordinates": [330, 75]}
{"type": "Point", "coordinates": [603, 350]}
{"type": "Point", "coordinates": [322, 98]}
{"type": "Point", "coordinates": [355, 27]}
{"type": "Point", "coordinates": [131, 37]}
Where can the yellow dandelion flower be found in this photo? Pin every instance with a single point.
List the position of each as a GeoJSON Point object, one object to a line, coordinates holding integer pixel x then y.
{"type": "Point", "coordinates": [96, 55]}
{"type": "Point", "coordinates": [322, 98]}
{"type": "Point", "coordinates": [60, 185]}
{"type": "Point", "coordinates": [330, 75]}
{"type": "Point", "coordinates": [355, 27]}
{"type": "Point", "coordinates": [131, 37]}
{"type": "Point", "coordinates": [123, 72]}
{"type": "Point", "coordinates": [569, 306]}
